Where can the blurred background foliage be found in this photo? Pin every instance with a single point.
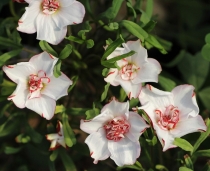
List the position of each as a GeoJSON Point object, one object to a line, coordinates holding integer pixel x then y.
{"type": "Point", "coordinates": [179, 27]}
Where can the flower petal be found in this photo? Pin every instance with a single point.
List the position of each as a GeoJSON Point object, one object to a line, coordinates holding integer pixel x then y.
{"type": "Point", "coordinates": [51, 137]}
{"type": "Point", "coordinates": [44, 106]}
{"type": "Point", "coordinates": [47, 29]}
{"type": "Point", "coordinates": [194, 124]}
{"type": "Point", "coordinates": [69, 15]}
{"type": "Point", "coordinates": [65, 3]}
{"type": "Point", "coordinates": [97, 144]}
{"type": "Point", "coordinates": [96, 123]}
{"type": "Point", "coordinates": [19, 95]}
{"type": "Point", "coordinates": [43, 62]}
{"type": "Point", "coordinates": [110, 78]}
{"type": "Point", "coordinates": [132, 90]}
{"type": "Point", "coordinates": [148, 72]}
{"type": "Point", "coordinates": [124, 152]}
{"type": "Point", "coordinates": [61, 141]}
{"type": "Point", "coordinates": [158, 99]}
{"type": "Point", "coordinates": [19, 72]}
{"type": "Point", "coordinates": [57, 87]}
{"type": "Point", "coordinates": [26, 23]}
{"type": "Point", "coordinates": [137, 126]}
{"type": "Point", "coordinates": [184, 99]}
{"type": "Point", "coordinates": [115, 108]}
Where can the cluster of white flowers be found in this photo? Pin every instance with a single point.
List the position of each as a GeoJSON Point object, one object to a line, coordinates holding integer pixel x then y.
{"type": "Point", "coordinates": [115, 131]}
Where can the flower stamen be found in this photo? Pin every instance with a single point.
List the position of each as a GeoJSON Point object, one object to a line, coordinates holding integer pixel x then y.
{"type": "Point", "coordinates": [50, 6]}
{"type": "Point", "coordinates": [128, 72]}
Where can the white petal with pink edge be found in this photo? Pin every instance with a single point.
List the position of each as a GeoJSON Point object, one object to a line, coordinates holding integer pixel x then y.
{"type": "Point", "coordinates": [27, 23]}
{"type": "Point", "coordinates": [57, 87]}
{"type": "Point", "coordinates": [69, 15]}
{"type": "Point", "coordinates": [110, 78]}
{"type": "Point", "coordinates": [184, 99]}
{"type": "Point", "coordinates": [124, 152]}
{"type": "Point", "coordinates": [44, 106]}
{"type": "Point", "coordinates": [97, 144]}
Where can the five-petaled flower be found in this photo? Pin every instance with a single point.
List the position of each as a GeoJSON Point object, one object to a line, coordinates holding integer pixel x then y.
{"type": "Point", "coordinates": [49, 18]}
{"type": "Point", "coordinates": [37, 87]}
{"type": "Point", "coordinates": [173, 114]}
{"type": "Point", "coordinates": [115, 133]}
{"type": "Point", "coordinates": [57, 139]}
{"type": "Point", "coordinates": [134, 70]}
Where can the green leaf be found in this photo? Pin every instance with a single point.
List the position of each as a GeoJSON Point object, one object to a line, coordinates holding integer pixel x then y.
{"type": "Point", "coordinates": [150, 26]}
{"type": "Point", "coordinates": [111, 12]}
{"type": "Point", "coordinates": [105, 71]}
{"type": "Point", "coordinates": [207, 38]}
{"type": "Point", "coordinates": [5, 42]}
{"type": "Point", "coordinates": [144, 17]}
{"type": "Point", "coordinates": [75, 39]}
{"type": "Point", "coordinates": [134, 102]}
{"type": "Point", "coordinates": [90, 43]}
{"type": "Point", "coordinates": [92, 113]}
{"type": "Point", "coordinates": [59, 109]}
{"type": "Point", "coordinates": [206, 52]}
{"type": "Point", "coordinates": [188, 161]}
{"type": "Point", "coordinates": [104, 94]}
{"type": "Point", "coordinates": [201, 153]}
{"type": "Point", "coordinates": [54, 155]}
{"type": "Point", "coordinates": [153, 141]}
{"type": "Point", "coordinates": [76, 111]}
{"type": "Point", "coordinates": [149, 8]}
{"type": "Point", "coordinates": [51, 166]}
{"type": "Point", "coordinates": [74, 80]}
{"type": "Point", "coordinates": [184, 169]}
{"type": "Point", "coordinates": [34, 135]}
{"type": "Point", "coordinates": [206, 167]}
{"type": "Point", "coordinates": [166, 83]}
{"type": "Point", "coordinates": [112, 47]}
{"type": "Point", "coordinates": [69, 136]}
{"type": "Point", "coordinates": [67, 161]}
{"type": "Point", "coordinates": [134, 29]}
{"type": "Point", "coordinates": [204, 96]}
{"type": "Point", "coordinates": [203, 136]}
{"type": "Point", "coordinates": [65, 52]}
{"type": "Point", "coordinates": [154, 42]}
{"type": "Point", "coordinates": [6, 56]}
{"type": "Point", "coordinates": [183, 144]}
{"type": "Point", "coordinates": [194, 69]}
{"type": "Point", "coordinates": [57, 69]}
{"type": "Point", "coordinates": [177, 59]}
{"type": "Point", "coordinates": [22, 138]}
{"type": "Point", "coordinates": [12, 150]}
{"type": "Point", "coordinates": [161, 167]}
{"type": "Point", "coordinates": [136, 166]}
{"type": "Point", "coordinates": [46, 47]}
{"type": "Point", "coordinates": [123, 95]}
{"type": "Point", "coordinates": [129, 4]}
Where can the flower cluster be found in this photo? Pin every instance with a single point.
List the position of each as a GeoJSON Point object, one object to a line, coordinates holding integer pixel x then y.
{"type": "Point", "coordinates": [115, 132]}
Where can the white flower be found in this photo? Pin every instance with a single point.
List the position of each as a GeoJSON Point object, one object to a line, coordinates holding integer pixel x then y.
{"type": "Point", "coordinates": [49, 18]}
{"type": "Point", "coordinates": [20, 1]}
{"type": "Point", "coordinates": [57, 139]}
{"type": "Point", "coordinates": [115, 133]}
{"type": "Point", "coordinates": [173, 114]}
{"type": "Point", "coordinates": [37, 88]}
{"type": "Point", "coordinates": [134, 70]}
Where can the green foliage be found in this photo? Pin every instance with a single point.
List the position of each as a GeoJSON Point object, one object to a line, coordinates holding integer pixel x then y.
{"type": "Point", "coordinates": [183, 144]}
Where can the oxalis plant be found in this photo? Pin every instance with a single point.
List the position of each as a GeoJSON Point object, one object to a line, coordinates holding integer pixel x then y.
{"type": "Point", "coordinates": [95, 85]}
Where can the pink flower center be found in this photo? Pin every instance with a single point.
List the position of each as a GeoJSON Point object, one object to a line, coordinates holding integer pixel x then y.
{"type": "Point", "coordinates": [128, 72]}
{"type": "Point", "coordinates": [169, 118]}
{"type": "Point", "coordinates": [36, 82]}
{"type": "Point", "coordinates": [50, 6]}
{"type": "Point", "coordinates": [116, 128]}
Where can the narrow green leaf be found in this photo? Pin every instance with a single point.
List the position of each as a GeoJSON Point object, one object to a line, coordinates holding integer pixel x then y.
{"type": "Point", "coordinates": [12, 150]}
{"type": "Point", "coordinates": [123, 95]}
{"type": "Point", "coordinates": [207, 38]}
{"type": "Point", "coordinates": [184, 169]}
{"type": "Point", "coordinates": [65, 52]}
{"type": "Point", "coordinates": [46, 47]}
{"type": "Point", "coordinates": [206, 52]}
{"type": "Point", "coordinates": [134, 29]}
{"type": "Point", "coordinates": [105, 71]}
{"type": "Point", "coordinates": [5, 42]}
{"type": "Point", "coordinates": [54, 155]}
{"type": "Point", "coordinates": [136, 166]}
{"type": "Point", "coordinates": [76, 111]}
{"type": "Point", "coordinates": [75, 39]}
{"type": "Point", "coordinates": [206, 167]}
{"type": "Point", "coordinates": [57, 69]}
{"type": "Point", "coordinates": [92, 113]}
{"type": "Point", "coordinates": [112, 47]}
{"type": "Point", "coordinates": [104, 94]}
{"type": "Point", "coordinates": [60, 109]}
{"type": "Point", "coordinates": [129, 4]}
{"type": "Point", "coordinates": [133, 102]}
{"type": "Point", "coordinates": [51, 166]}
{"type": "Point", "coordinates": [204, 96]}
{"type": "Point", "coordinates": [153, 141]}
{"type": "Point", "coordinates": [6, 56]}
{"type": "Point", "coordinates": [74, 79]}
{"type": "Point", "coordinates": [150, 26]}
{"type": "Point", "coordinates": [166, 83]}
{"type": "Point", "coordinates": [188, 161]}
{"type": "Point", "coordinates": [67, 161]}
{"type": "Point", "coordinates": [161, 167]}
{"type": "Point", "coordinates": [69, 136]}
{"type": "Point", "coordinates": [183, 144]}
{"type": "Point", "coordinates": [149, 8]}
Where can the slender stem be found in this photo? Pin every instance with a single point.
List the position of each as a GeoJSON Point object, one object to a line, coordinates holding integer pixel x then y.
{"type": "Point", "coordinates": [12, 9]}
{"type": "Point", "coordinates": [29, 51]}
